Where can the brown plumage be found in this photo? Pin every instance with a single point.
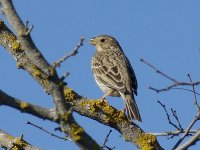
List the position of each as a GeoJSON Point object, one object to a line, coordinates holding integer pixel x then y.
{"type": "Point", "coordinates": [114, 74]}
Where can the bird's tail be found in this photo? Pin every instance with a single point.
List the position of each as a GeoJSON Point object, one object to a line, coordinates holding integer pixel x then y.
{"type": "Point", "coordinates": [131, 107]}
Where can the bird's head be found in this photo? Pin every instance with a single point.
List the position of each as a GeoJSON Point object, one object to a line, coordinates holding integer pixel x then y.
{"type": "Point", "coordinates": [104, 43]}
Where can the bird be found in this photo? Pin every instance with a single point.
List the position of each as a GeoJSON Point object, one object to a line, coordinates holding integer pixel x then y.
{"type": "Point", "coordinates": [114, 74]}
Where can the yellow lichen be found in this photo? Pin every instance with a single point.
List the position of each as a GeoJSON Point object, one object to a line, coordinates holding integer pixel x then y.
{"type": "Point", "coordinates": [69, 94]}
{"type": "Point", "coordinates": [43, 78]}
{"type": "Point", "coordinates": [45, 83]}
{"type": "Point", "coordinates": [19, 144]}
{"type": "Point", "coordinates": [76, 131]}
{"type": "Point", "coordinates": [24, 105]}
{"type": "Point", "coordinates": [12, 41]}
{"type": "Point", "coordinates": [36, 72]}
{"type": "Point", "coordinates": [146, 141]}
{"type": "Point", "coordinates": [16, 46]}
{"type": "Point", "coordinates": [111, 114]}
{"type": "Point", "coordinates": [65, 116]}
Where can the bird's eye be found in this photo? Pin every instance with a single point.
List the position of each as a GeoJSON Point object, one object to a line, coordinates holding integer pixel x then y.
{"type": "Point", "coordinates": [102, 40]}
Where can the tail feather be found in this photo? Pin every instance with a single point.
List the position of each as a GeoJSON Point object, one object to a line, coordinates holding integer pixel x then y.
{"type": "Point", "coordinates": [131, 107]}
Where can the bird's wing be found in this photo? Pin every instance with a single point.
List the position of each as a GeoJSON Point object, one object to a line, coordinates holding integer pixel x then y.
{"type": "Point", "coordinates": [133, 77]}
{"type": "Point", "coordinates": [111, 70]}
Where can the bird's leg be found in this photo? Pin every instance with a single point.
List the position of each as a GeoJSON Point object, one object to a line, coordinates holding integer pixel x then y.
{"type": "Point", "coordinates": [103, 98]}
{"type": "Point", "coordinates": [124, 110]}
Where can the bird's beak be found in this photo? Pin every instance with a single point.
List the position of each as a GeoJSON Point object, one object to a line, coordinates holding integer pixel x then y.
{"type": "Point", "coordinates": [92, 41]}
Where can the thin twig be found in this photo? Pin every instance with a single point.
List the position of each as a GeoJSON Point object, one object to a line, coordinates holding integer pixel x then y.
{"type": "Point", "coordinates": [169, 133]}
{"type": "Point", "coordinates": [195, 97]}
{"type": "Point", "coordinates": [175, 82]}
{"type": "Point", "coordinates": [27, 30]}
{"type": "Point", "coordinates": [168, 116]}
{"type": "Point", "coordinates": [177, 119]}
{"type": "Point", "coordinates": [187, 131]}
{"type": "Point", "coordinates": [190, 142]}
{"type": "Point", "coordinates": [174, 85]}
{"type": "Point", "coordinates": [158, 71]}
{"type": "Point", "coordinates": [184, 89]}
{"type": "Point", "coordinates": [46, 131]}
{"type": "Point", "coordinates": [66, 74]}
{"type": "Point", "coordinates": [73, 52]}
{"type": "Point", "coordinates": [106, 140]}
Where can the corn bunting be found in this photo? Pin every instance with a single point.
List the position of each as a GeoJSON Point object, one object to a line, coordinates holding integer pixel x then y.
{"type": "Point", "coordinates": [114, 73]}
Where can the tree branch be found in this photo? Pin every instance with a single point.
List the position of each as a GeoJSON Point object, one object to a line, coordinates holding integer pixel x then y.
{"type": "Point", "coordinates": [197, 117]}
{"type": "Point", "coordinates": [26, 107]}
{"type": "Point", "coordinates": [192, 141]}
{"type": "Point", "coordinates": [73, 52]}
{"type": "Point", "coordinates": [46, 131]}
{"type": "Point", "coordinates": [175, 82]}
{"type": "Point", "coordinates": [105, 142]}
{"type": "Point", "coordinates": [172, 133]}
{"type": "Point", "coordinates": [94, 109]}
{"type": "Point", "coordinates": [158, 71]}
{"type": "Point", "coordinates": [51, 84]}
{"type": "Point", "coordinates": [168, 116]}
{"type": "Point", "coordinates": [195, 97]}
{"type": "Point", "coordinates": [9, 142]}
{"type": "Point", "coordinates": [108, 115]}
{"type": "Point", "coordinates": [25, 39]}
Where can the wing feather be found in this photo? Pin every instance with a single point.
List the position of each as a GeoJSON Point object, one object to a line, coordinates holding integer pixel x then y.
{"type": "Point", "coordinates": [111, 70]}
{"type": "Point", "coordinates": [133, 77]}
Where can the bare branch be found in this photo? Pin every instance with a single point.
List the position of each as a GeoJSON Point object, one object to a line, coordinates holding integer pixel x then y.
{"type": "Point", "coordinates": [192, 141]}
{"type": "Point", "coordinates": [187, 131]}
{"type": "Point", "coordinates": [177, 119]}
{"type": "Point", "coordinates": [46, 131]}
{"type": "Point", "coordinates": [184, 89]}
{"type": "Point", "coordinates": [158, 71]}
{"type": "Point", "coordinates": [26, 107]}
{"type": "Point", "coordinates": [106, 140]}
{"type": "Point", "coordinates": [172, 86]}
{"type": "Point", "coordinates": [175, 82]}
{"type": "Point", "coordinates": [174, 133]}
{"type": "Point", "coordinates": [168, 116]}
{"type": "Point", "coordinates": [73, 52]}
{"type": "Point", "coordinates": [194, 92]}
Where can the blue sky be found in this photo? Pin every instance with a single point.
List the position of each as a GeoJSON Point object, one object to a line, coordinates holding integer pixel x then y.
{"type": "Point", "coordinates": [165, 33]}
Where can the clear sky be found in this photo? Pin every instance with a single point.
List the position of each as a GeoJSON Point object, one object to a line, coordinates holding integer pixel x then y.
{"type": "Point", "coordinates": [165, 33]}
